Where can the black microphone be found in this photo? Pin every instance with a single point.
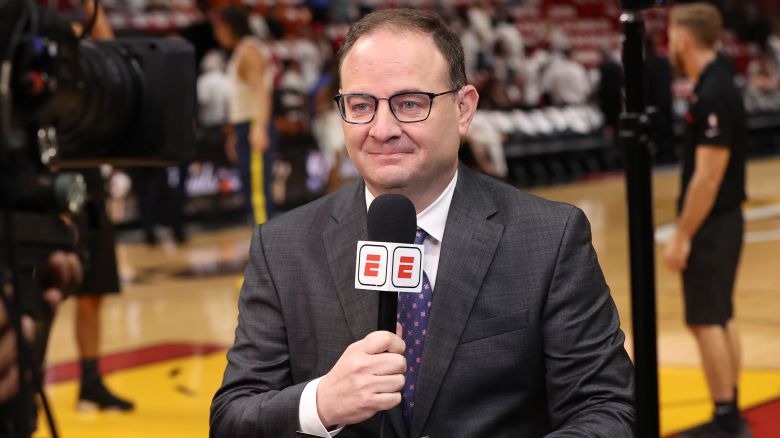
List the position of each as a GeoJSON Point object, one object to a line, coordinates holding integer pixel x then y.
{"type": "Point", "coordinates": [391, 218]}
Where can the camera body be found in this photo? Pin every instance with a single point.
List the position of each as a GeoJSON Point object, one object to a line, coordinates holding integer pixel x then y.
{"type": "Point", "coordinates": [70, 102]}
{"type": "Point", "coordinates": [123, 102]}
{"type": "Point", "coordinates": [67, 102]}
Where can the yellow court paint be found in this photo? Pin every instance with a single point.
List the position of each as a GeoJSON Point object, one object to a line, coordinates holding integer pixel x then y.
{"type": "Point", "coordinates": [173, 399]}
{"type": "Point", "coordinates": [685, 398]}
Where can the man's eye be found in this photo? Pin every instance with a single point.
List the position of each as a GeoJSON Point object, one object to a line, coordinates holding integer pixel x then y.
{"type": "Point", "coordinates": [361, 107]}
{"type": "Point", "coordinates": [412, 104]}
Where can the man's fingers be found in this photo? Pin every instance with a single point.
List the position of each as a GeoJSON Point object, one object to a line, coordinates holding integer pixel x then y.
{"type": "Point", "coordinates": [64, 271]}
{"type": "Point", "coordinates": [672, 259]}
{"type": "Point", "coordinates": [59, 274]}
{"type": "Point", "coordinates": [388, 384]}
{"type": "Point", "coordinates": [382, 341]}
{"type": "Point", "coordinates": [7, 351]}
{"type": "Point", "coordinates": [53, 297]}
{"type": "Point", "coordinates": [388, 364]}
{"type": "Point", "coordinates": [668, 263]}
{"type": "Point", "coordinates": [9, 384]}
{"type": "Point", "coordinates": [28, 328]}
{"type": "Point", "coordinates": [387, 400]}
{"type": "Point", "coordinates": [397, 345]}
{"type": "Point", "coordinates": [675, 264]}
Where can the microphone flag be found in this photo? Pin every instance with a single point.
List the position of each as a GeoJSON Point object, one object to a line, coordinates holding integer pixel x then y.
{"type": "Point", "coordinates": [389, 266]}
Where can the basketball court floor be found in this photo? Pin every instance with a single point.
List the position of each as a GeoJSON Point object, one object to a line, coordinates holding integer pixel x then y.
{"type": "Point", "coordinates": [165, 336]}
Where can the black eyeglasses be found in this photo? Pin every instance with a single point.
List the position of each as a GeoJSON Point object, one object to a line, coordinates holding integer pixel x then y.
{"type": "Point", "coordinates": [410, 107]}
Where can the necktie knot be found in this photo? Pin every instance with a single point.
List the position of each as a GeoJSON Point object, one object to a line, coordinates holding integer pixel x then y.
{"type": "Point", "coordinates": [419, 236]}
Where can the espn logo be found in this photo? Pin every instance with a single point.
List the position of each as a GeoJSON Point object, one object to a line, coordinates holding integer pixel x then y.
{"type": "Point", "coordinates": [389, 266]}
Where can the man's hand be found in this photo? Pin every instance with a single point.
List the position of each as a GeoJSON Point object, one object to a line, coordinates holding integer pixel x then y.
{"type": "Point", "coordinates": [258, 137]}
{"type": "Point", "coordinates": [677, 251]}
{"type": "Point", "coordinates": [367, 378]}
{"type": "Point", "coordinates": [64, 275]}
{"type": "Point", "coordinates": [9, 370]}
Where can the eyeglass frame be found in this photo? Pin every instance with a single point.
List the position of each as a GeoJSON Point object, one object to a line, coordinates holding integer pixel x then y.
{"type": "Point", "coordinates": [431, 97]}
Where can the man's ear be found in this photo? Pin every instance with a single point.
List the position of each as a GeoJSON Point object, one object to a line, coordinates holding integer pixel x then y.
{"type": "Point", "coordinates": [686, 39]}
{"type": "Point", "coordinates": [468, 98]}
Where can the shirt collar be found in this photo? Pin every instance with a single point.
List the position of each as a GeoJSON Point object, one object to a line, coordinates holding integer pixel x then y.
{"type": "Point", "coordinates": [712, 65]}
{"type": "Point", "coordinates": [434, 217]}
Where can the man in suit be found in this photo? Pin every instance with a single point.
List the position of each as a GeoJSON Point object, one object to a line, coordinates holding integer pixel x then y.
{"type": "Point", "coordinates": [516, 333]}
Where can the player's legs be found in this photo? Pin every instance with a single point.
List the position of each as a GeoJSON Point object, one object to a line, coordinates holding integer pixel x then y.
{"type": "Point", "coordinates": [93, 394]}
{"type": "Point", "coordinates": [717, 360]}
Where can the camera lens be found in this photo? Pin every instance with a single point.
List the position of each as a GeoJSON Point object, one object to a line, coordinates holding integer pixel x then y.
{"type": "Point", "coordinates": [102, 102]}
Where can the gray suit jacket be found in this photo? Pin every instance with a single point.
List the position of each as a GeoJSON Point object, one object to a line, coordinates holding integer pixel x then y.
{"type": "Point", "coordinates": [523, 338]}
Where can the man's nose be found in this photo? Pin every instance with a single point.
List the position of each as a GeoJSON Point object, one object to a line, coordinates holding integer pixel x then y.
{"type": "Point", "coordinates": [384, 126]}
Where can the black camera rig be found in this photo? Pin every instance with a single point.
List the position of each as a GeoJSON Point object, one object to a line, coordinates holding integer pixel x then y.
{"type": "Point", "coordinates": [69, 102]}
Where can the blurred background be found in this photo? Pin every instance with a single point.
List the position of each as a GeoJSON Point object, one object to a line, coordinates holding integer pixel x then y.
{"type": "Point", "coordinates": [550, 82]}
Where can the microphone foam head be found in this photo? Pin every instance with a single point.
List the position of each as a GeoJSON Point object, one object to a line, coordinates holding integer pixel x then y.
{"type": "Point", "coordinates": [392, 218]}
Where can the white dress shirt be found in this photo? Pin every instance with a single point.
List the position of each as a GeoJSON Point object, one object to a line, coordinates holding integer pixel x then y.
{"type": "Point", "coordinates": [432, 220]}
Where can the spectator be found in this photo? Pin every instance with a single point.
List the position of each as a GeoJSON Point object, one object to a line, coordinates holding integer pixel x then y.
{"type": "Point", "coordinates": [159, 201]}
{"type": "Point", "coordinates": [763, 76]}
{"type": "Point", "coordinates": [327, 129]}
{"type": "Point", "coordinates": [565, 81]}
{"type": "Point", "coordinates": [251, 142]}
{"type": "Point", "coordinates": [486, 147]}
{"type": "Point", "coordinates": [508, 33]}
{"type": "Point", "coordinates": [536, 60]}
{"type": "Point", "coordinates": [213, 90]}
{"type": "Point", "coordinates": [479, 21]}
{"type": "Point", "coordinates": [494, 92]}
{"type": "Point", "coordinates": [773, 42]}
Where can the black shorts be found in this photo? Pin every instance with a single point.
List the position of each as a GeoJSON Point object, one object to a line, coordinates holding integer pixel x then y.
{"type": "Point", "coordinates": [96, 241]}
{"type": "Point", "coordinates": [708, 281]}
{"type": "Point", "coordinates": [101, 276]}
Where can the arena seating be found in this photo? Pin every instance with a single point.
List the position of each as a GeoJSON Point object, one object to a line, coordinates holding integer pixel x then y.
{"type": "Point", "coordinates": [542, 145]}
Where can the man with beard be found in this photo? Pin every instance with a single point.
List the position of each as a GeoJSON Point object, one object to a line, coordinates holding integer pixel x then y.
{"type": "Point", "coordinates": [707, 242]}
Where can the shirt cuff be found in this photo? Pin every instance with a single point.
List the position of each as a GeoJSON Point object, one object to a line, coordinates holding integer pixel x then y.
{"type": "Point", "coordinates": [308, 417]}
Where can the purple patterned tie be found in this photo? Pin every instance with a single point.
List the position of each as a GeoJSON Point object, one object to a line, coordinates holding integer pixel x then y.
{"type": "Point", "coordinates": [413, 311]}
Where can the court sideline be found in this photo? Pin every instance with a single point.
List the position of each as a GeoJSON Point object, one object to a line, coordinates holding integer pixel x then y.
{"type": "Point", "coordinates": [165, 335]}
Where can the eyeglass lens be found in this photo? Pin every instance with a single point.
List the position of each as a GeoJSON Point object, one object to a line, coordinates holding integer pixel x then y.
{"type": "Point", "coordinates": [407, 107]}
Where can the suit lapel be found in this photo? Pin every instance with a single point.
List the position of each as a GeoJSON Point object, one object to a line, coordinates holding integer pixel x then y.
{"type": "Point", "coordinates": [469, 243]}
{"type": "Point", "coordinates": [348, 225]}
{"type": "Point", "coordinates": [360, 307]}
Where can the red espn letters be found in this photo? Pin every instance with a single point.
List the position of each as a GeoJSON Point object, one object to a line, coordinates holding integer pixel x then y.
{"type": "Point", "coordinates": [405, 267]}
{"type": "Point", "coordinates": [372, 265]}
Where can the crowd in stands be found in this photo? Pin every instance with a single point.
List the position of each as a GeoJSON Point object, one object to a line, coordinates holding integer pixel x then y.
{"type": "Point", "coordinates": [524, 56]}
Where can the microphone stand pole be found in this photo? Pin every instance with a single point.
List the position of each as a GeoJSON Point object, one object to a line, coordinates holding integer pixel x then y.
{"type": "Point", "coordinates": [635, 145]}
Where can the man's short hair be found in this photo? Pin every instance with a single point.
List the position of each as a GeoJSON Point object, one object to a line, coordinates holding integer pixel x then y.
{"type": "Point", "coordinates": [702, 20]}
{"type": "Point", "coordinates": [237, 19]}
{"type": "Point", "coordinates": [405, 20]}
